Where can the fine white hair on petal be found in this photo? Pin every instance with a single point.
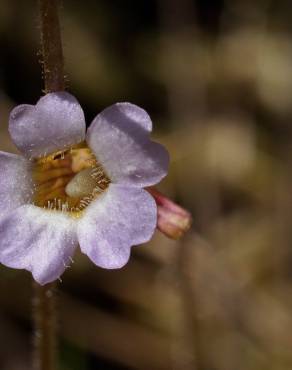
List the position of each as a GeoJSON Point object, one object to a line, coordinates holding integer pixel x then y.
{"type": "Point", "coordinates": [120, 218]}
{"type": "Point", "coordinates": [39, 241]}
{"type": "Point", "coordinates": [54, 123]}
{"type": "Point", "coordinates": [16, 187]}
{"type": "Point", "coordinates": [119, 137]}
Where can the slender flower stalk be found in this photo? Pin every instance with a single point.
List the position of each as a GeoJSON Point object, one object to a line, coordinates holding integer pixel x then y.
{"type": "Point", "coordinates": [45, 327]}
{"type": "Point", "coordinates": [51, 46]}
{"type": "Point", "coordinates": [53, 75]}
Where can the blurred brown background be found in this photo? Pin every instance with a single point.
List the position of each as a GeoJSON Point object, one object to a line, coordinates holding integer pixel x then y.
{"type": "Point", "coordinates": [216, 77]}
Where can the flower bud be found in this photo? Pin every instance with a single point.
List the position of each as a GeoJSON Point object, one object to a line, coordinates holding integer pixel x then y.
{"type": "Point", "coordinates": [172, 220]}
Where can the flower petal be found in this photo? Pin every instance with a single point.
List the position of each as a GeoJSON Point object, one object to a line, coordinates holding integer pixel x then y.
{"type": "Point", "coordinates": [39, 241]}
{"type": "Point", "coordinates": [119, 137]}
{"type": "Point", "coordinates": [15, 182]}
{"type": "Point", "coordinates": [118, 219]}
{"type": "Point", "coordinates": [55, 122]}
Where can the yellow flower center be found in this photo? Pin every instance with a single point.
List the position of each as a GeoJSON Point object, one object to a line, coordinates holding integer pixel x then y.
{"type": "Point", "coordinates": [68, 180]}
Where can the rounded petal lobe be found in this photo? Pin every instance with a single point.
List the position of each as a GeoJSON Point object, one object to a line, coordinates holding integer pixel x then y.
{"type": "Point", "coordinates": [119, 137]}
{"type": "Point", "coordinates": [54, 123]}
{"type": "Point", "coordinates": [15, 182]}
{"type": "Point", "coordinates": [39, 241]}
{"type": "Point", "coordinates": [120, 218]}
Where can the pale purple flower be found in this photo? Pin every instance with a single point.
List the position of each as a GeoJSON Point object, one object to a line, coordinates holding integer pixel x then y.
{"type": "Point", "coordinates": [75, 187]}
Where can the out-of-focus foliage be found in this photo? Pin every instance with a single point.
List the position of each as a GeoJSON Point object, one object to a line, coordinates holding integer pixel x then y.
{"type": "Point", "coordinates": [216, 77]}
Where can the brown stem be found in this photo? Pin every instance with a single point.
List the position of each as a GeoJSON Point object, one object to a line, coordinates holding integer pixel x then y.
{"type": "Point", "coordinates": [53, 74]}
{"type": "Point", "coordinates": [51, 44]}
{"type": "Point", "coordinates": [45, 327]}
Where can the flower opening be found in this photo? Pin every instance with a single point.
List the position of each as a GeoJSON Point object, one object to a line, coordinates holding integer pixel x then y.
{"type": "Point", "coordinates": [68, 180]}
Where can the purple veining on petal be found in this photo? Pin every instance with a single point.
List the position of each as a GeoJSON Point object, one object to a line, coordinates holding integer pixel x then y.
{"type": "Point", "coordinates": [54, 123]}
{"type": "Point", "coordinates": [119, 136]}
{"type": "Point", "coordinates": [39, 241]}
{"type": "Point", "coordinates": [120, 218]}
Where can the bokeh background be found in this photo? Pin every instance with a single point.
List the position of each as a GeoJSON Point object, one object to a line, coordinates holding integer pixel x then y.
{"type": "Point", "coordinates": [216, 78]}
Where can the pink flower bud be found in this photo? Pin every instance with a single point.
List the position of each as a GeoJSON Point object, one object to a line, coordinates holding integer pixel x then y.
{"type": "Point", "coordinates": [172, 220]}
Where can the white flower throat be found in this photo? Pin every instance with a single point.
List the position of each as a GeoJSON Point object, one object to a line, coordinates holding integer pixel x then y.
{"type": "Point", "coordinates": [68, 180]}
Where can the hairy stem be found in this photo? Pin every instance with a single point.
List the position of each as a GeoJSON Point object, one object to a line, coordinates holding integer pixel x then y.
{"type": "Point", "coordinates": [53, 75]}
{"type": "Point", "coordinates": [51, 44]}
{"type": "Point", "coordinates": [45, 327]}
